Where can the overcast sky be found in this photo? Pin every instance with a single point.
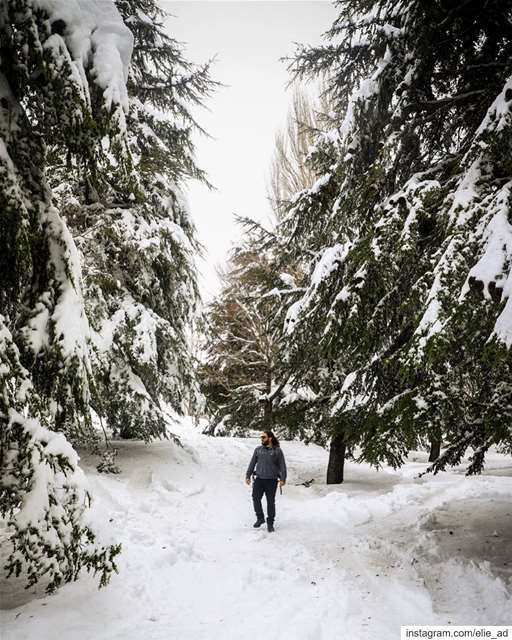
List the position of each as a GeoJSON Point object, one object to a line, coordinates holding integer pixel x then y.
{"type": "Point", "coordinates": [248, 38]}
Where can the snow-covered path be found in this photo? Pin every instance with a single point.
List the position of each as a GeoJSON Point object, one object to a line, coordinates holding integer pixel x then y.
{"type": "Point", "coordinates": [355, 560]}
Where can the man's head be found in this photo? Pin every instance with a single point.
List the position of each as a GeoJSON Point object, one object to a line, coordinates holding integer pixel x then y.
{"type": "Point", "coordinates": [265, 439]}
{"type": "Point", "coordinates": [268, 439]}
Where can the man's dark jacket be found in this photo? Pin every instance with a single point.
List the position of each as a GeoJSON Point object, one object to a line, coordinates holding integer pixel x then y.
{"type": "Point", "coordinates": [269, 463]}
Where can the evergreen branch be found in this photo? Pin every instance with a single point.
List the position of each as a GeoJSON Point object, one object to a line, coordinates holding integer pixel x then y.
{"type": "Point", "coordinates": [435, 105]}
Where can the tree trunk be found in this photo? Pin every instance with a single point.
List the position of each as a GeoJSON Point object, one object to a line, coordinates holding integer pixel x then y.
{"type": "Point", "coordinates": [267, 405]}
{"type": "Point", "coordinates": [267, 415]}
{"type": "Point", "coordinates": [210, 428]}
{"type": "Point", "coordinates": [336, 459]}
{"type": "Point", "coordinates": [435, 448]}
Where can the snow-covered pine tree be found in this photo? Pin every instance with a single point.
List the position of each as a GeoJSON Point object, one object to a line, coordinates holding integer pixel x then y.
{"type": "Point", "coordinates": [138, 245]}
{"type": "Point", "coordinates": [409, 294]}
{"type": "Point", "coordinates": [63, 68]}
{"type": "Point", "coordinates": [241, 376]}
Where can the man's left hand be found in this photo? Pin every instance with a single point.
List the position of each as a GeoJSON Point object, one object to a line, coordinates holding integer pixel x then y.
{"type": "Point", "coordinates": [282, 483]}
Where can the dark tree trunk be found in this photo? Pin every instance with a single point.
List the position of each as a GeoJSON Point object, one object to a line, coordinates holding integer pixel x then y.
{"type": "Point", "coordinates": [435, 449]}
{"type": "Point", "coordinates": [267, 415]}
{"type": "Point", "coordinates": [267, 404]}
{"type": "Point", "coordinates": [209, 430]}
{"type": "Point", "coordinates": [211, 427]}
{"type": "Point", "coordinates": [336, 459]}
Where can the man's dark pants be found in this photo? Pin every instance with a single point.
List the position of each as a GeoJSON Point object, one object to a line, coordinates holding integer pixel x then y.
{"type": "Point", "coordinates": [267, 486]}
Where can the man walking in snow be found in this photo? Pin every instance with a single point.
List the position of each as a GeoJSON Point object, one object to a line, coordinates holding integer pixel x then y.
{"type": "Point", "coordinates": [268, 459]}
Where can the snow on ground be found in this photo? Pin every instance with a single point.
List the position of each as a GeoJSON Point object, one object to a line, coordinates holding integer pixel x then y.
{"type": "Point", "coordinates": [346, 561]}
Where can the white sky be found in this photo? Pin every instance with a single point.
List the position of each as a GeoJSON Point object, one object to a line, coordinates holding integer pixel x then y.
{"type": "Point", "coordinates": [248, 38]}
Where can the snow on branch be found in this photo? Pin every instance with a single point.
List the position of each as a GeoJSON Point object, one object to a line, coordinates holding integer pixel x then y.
{"type": "Point", "coordinates": [98, 41]}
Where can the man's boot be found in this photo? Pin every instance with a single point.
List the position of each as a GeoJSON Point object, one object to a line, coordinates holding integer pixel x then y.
{"type": "Point", "coordinates": [259, 522]}
{"type": "Point", "coordinates": [270, 525]}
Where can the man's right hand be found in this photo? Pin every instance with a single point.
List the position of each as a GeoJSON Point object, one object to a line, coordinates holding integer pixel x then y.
{"type": "Point", "coordinates": [248, 481]}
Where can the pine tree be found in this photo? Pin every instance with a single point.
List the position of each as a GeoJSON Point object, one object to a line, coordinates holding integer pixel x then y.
{"type": "Point", "coordinates": [62, 80]}
{"type": "Point", "coordinates": [138, 245]}
{"type": "Point", "coordinates": [407, 301]}
{"type": "Point", "coordinates": [240, 376]}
